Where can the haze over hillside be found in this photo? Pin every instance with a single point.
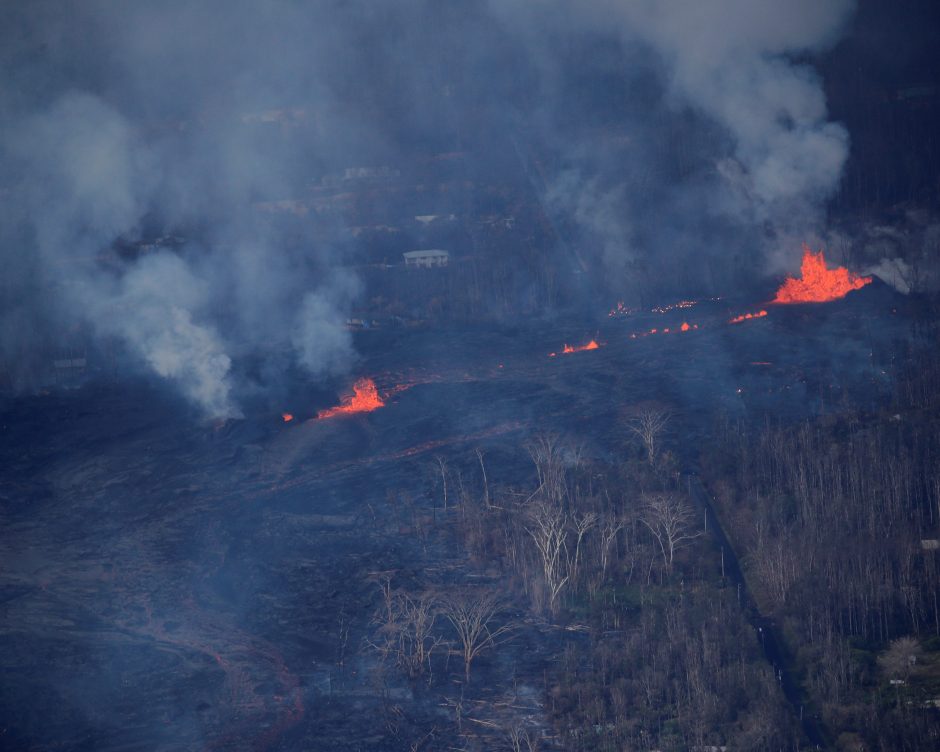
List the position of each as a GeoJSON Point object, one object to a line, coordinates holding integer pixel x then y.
{"type": "Point", "coordinates": [518, 375]}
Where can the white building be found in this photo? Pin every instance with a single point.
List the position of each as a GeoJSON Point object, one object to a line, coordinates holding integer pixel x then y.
{"type": "Point", "coordinates": [426, 259]}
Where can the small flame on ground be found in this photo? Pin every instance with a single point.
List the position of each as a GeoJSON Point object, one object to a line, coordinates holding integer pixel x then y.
{"type": "Point", "coordinates": [568, 349]}
{"type": "Point", "coordinates": [674, 306]}
{"type": "Point", "coordinates": [684, 327]}
{"type": "Point", "coordinates": [621, 310]}
{"type": "Point", "coordinates": [364, 399]}
{"type": "Point", "coordinates": [746, 316]}
{"type": "Point", "coordinates": [592, 345]}
{"type": "Point", "coordinates": [817, 283]}
{"type": "Point", "coordinates": [287, 417]}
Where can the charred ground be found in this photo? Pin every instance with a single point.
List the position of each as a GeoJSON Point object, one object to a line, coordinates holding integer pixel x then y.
{"type": "Point", "coordinates": [173, 585]}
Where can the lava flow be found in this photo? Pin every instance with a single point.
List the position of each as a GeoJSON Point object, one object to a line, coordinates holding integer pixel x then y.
{"type": "Point", "coordinates": [674, 306]}
{"type": "Point", "coordinates": [365, 399]}
{"type": "Point", "coordinates": [568, 349]}
{"type": "Point", "coordinates": [622, 310]}
{"type": "Point", "coordinates": [684, 327]}
{"type": "Point", "coordinates": [818, 284]}
{"type": "Point", "coordinates": [746, 316]}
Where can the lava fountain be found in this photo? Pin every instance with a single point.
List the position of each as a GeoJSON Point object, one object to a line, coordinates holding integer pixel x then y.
{"type": "Point", "coordinates": [817, 283]}
{"type": "Point", "coordinates": [364, 399]}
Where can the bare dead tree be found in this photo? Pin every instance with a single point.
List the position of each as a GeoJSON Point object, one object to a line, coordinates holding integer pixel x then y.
{"type": "Point", "coordinates": [473, 615]}
{"type": "Point", "coordinates": [546, 453]}
{"type": "Point", "coordinates": [521, 739]}
{"type": "Point", "coordinates": [581, 525]}
{"type": "Point", "coordinates": [899, 660]}
{"type": "Point", "coordinates": [406, 630]}
{"type": "Point", "coordinates": [416, 616]}
{"type": "Point", "coordinates": [442, 464]}
{"type": "Point", "coordinates": [385, 585]}
{"type": "Point", "coordinates": [775, 564]}
{"type": "Point", "coordinates": [415, 746]}
{"type": "Point", "coordinates": [486, 485]}
{"type": "Point", "coordinates": [669, 518]}
{"type": "Point", "coordinates": [610, 528]}
{"type": "Point", "coordinates": [548, 527]}
{"type": "Point", "coordinates": [648, 424]}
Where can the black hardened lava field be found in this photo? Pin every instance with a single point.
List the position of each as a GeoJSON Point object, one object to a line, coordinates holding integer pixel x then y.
{"type": "Point", "coordinates": [474, 376]}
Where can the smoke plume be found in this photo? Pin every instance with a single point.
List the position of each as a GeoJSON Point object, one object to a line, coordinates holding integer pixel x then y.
{"type": "Point", "coordinates": [161, 161]}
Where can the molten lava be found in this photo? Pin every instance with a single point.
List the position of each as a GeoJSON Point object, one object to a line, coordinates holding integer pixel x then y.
{"type": "Point", "coordinates": [621, 310]}
{"type": "Point", "coordinates": [287, 417]}
{"type": "Point", "coordinates": [684, 327]}
{"type": "Point", "coordinates": [364, 399]}
{"type": "Point", "coordinates": [746, 316]}
{"type": "Point", "coordinates": [674, 306]}
{"type": "Point", "coordinates": [818, 284]}
{"type": "Point", "coordinates": [592, 345]}
{"type": "Point", "coordinates": [568, 349]}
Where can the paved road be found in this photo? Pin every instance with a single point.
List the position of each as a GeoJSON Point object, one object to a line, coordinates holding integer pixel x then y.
{"type": "Point", "coordinates": [775, 650]}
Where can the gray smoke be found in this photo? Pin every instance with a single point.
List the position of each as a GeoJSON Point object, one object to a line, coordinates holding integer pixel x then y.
{"type": "Point", "coordinates": [667, 142]}
{"type": "Point", "coordinates": [122, 117]}
{"type": "Point", "coordinates": [725, 141]}
{"type": "Point", "coordinates": [322, 344]}
{"type": "Point", "coordinates": [87, 181]}
{"type": "Point", "coordinates": [733, 61]}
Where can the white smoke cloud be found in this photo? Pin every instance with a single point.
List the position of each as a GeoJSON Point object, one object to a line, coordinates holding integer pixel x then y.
{"type": "Point", "coordinates": [732, 62]}
{"type": "Point", "coordinates": [145, 115]}
{"type": "Point", "coordinates": [152, 310]}
{"type": "Point", "coordinates": [88, 173]}
{"type": "Point", "coordinates": [731, 59]}
{"type": "Point", "coordinates": [89, 182]}
{"type": "Point", "coordinates": [322, 342]}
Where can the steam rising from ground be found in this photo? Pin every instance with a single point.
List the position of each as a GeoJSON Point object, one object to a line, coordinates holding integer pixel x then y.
{"type": "Point", "coordinates": [131, 120]}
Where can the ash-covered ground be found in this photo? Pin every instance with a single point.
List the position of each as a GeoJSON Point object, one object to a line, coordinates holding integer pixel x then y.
{"type": "Point", "coordinates": [168, 584]}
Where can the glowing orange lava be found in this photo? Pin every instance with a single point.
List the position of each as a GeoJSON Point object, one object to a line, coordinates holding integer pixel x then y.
{"type": "Point", "coordinates": [568, 349]}
{"type": "Point", "coordinates": [746, 316]}
{"type": "Point", "coordinates": [592, 345]}
{"type": "Point", "coordinates": [287, 417]}
{"type": "Point", "coordinates": [365, 399]}
{"type": "Point", "coordinates": [674, 306]}
{"type": "Point", "coordinates": [818, 284]}
{"type": "Point", "coordinates": [684, 327]}
{"type": "Point", "coordinates": [621, 310]}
